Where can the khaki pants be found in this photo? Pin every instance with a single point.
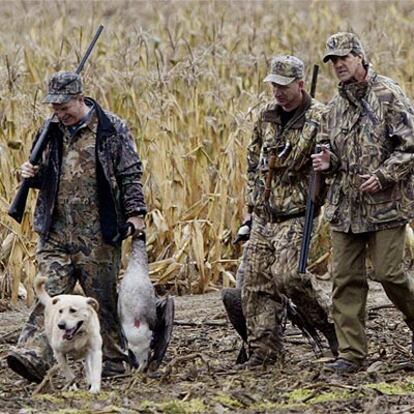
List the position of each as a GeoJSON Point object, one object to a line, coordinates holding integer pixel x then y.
{"type": "Point", "coordinates": [350, 285]}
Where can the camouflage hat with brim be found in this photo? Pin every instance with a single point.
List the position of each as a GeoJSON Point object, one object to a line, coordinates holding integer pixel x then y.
{"type": "Point", "coordinates": [341, 44]}
{"type": "Point", "coordinates": [62, 87]}
{"type": "Point", "coordinates": [284, 70]}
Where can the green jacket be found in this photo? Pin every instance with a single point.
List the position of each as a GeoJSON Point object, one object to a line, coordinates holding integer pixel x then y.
{"type": "Point", "coordinates": [370, 129]}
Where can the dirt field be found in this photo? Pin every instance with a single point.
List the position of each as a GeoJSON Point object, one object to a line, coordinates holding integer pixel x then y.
{"type": "Point", "coordinates": [199, 376]}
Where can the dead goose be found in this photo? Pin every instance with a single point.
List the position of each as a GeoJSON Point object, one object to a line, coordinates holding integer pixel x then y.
{"type": "Point", "coordinates": [146, 320]}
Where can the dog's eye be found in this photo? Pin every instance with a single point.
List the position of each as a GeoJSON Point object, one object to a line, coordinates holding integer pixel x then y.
{"type": "Point", "coordinates": [60, 310]}
{"type": "Point", "coordinates": [72, 310]}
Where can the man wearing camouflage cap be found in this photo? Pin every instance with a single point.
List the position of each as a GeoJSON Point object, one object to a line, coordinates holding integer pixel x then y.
{"type": "Point", "coordinates": [90, 197]}
{"type": "Point", "coordinates": [370, 130]}
{"type": "Point", "coordinates": [276, 194]}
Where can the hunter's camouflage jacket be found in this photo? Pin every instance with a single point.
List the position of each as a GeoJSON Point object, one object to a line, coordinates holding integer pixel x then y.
{"type": "Point", "coordinates": [370, 129]}
{"type": "Point", "coordinates": [293, 146]}
{"type": "Point", "coordinates": [118, 175]}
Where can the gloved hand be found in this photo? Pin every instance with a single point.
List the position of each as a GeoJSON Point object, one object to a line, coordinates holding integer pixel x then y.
{"type": "Point", "coordinates": [125, 231]}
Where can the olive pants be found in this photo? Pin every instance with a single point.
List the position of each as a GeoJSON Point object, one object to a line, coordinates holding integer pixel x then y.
{"type": "Point", "coordinates": [350, 285]}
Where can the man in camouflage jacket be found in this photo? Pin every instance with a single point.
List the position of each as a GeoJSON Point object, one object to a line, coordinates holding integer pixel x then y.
{"type": "Point", "coordinates": [370, 132]}
{"type": "Point", "coordinates": [286, 129]}
{"type": "Point", "coordinates": [90, 197]}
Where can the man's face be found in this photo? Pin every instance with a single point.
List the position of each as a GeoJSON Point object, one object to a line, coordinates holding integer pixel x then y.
{"type": "Point", "coordinates": [346, 67]}
{"type": "Point", "coordinates": [289, 96]}
{"type": "Point", "coordinates": [71, 112]}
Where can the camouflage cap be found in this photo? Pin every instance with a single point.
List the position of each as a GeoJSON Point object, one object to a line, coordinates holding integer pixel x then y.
{"type": "Point", "coordinates": [62, 86]}
{"type": "Point", "coordinates": [284, 70]}
{"type": "Point", "coordinates": [341, 44]}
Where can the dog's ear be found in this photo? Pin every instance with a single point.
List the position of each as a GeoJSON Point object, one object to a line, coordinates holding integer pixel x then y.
{"type": "Point", "coordinates": [55, 300]}
{"type": "Point", "coordinates": [94, 303]}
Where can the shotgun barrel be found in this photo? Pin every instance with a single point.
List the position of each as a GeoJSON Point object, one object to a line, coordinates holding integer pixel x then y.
{"type": "Point", "coordinates": [313, 195]}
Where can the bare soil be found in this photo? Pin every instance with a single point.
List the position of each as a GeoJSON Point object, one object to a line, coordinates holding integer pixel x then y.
{"type": "Point", "coordinates": [199, 375]}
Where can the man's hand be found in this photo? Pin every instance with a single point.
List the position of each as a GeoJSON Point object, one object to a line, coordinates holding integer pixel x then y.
{"type": "Point", "coordinates": [371, 184]}
{"type": "Point", "coordinates": [29, 170]}
{"type": "Point", "coordinates": [132, 226]}
{"type": "Point", "coordinates": [322, 160]}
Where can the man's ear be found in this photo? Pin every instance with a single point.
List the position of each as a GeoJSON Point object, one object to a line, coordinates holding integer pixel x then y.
{"type": "Point", "coordinates": [301, 83]}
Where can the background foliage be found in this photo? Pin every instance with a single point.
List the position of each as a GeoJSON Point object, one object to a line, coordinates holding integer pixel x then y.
{"type": "Point", "coordinates": [187, 76]}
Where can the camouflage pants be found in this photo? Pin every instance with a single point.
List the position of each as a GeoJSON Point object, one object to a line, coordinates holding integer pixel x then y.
{"type": "Point", "coordinates": [350, 285]}
{"type": "Point", "coordinates": [271, 268]}
{"type": "Point", "coordinates": [96, 268]}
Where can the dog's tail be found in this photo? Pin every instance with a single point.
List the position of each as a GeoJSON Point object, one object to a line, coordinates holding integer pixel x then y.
{"type": "Point", "coordinates": [39, 287]}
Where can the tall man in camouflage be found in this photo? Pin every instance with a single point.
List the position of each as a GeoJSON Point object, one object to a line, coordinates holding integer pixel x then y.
{"type": "Point", "coordinates": [287, 128]}
{"type": "Point", "coordinates": [371, 134]}
{"type": "Point", "coordinates": [89, 189]}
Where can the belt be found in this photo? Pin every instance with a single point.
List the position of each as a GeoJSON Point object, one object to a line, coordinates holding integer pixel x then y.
{"type": "Point", "coordinates": [277, 218]}
{"type": "Point", "coordinates": [283, 217]}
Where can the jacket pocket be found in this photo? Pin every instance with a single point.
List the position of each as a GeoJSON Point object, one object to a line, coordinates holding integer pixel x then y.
{"type": "Point", "coordinates": [384, 206]}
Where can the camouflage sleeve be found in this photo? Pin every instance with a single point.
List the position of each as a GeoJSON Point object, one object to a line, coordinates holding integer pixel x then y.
{"type": "Point", "coordinates": [400, 129]}
{"type": "Point", "coordinates": [253, 158]}
{"type": "Point", "coordinates": [128, 172]}
{"type": "Point", "coordinates": [36, 181]}
{"type": "Point", "coordinates": [324, 139]}
{"type": "Point", "coordinates": [300, 155]}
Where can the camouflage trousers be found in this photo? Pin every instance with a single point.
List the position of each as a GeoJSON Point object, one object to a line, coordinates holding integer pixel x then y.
{"type": "Point", "coordinates": [96, 268]}
{"type": "Point", "coordinates": [270, 268]}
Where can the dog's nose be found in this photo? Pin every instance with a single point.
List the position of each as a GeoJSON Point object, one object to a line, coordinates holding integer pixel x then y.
{"type": "Point", "coordinates": [62, 325]}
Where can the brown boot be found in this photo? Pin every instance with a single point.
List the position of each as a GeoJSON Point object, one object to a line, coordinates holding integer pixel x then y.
{"type": "Point", "coordinates": [257, 361]}
{"type": "Point", "coordinates": [112, 368]}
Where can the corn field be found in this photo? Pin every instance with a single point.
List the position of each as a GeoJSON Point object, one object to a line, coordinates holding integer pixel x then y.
{"type": "Point", "coordinates": [187, 76]}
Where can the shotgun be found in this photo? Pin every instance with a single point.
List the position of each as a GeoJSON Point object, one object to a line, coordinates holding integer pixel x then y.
{"type": "Point", "coordinates": [18, 204]}
{"type": "Point", "coordinates": [313, 196]}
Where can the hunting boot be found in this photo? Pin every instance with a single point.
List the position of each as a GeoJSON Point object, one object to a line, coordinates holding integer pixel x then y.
{"type": "Point", "coordinates": [33, 356]}
{"type": "Point", "coordinates": [30, 363]}
{"type": "Point", "coordinates": [342, 366]}
{"type": "Point", "coordinates": [112, 368]}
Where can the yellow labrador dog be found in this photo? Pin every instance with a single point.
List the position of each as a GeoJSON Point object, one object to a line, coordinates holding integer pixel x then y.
{"type": "Point", "coordinates": [72, 328]}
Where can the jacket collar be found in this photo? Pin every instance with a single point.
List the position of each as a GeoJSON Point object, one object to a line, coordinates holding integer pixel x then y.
{"type": "Point", "coordinates": [298, 119]}
{"type": "Point", "coordinates": [356, 91]}
{"type": "Point", "coordinates": [105, 126]}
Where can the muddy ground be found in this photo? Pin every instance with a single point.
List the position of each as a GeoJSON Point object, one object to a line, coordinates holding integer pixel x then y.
{"type": "Point", "coordinates": [199, 375]}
